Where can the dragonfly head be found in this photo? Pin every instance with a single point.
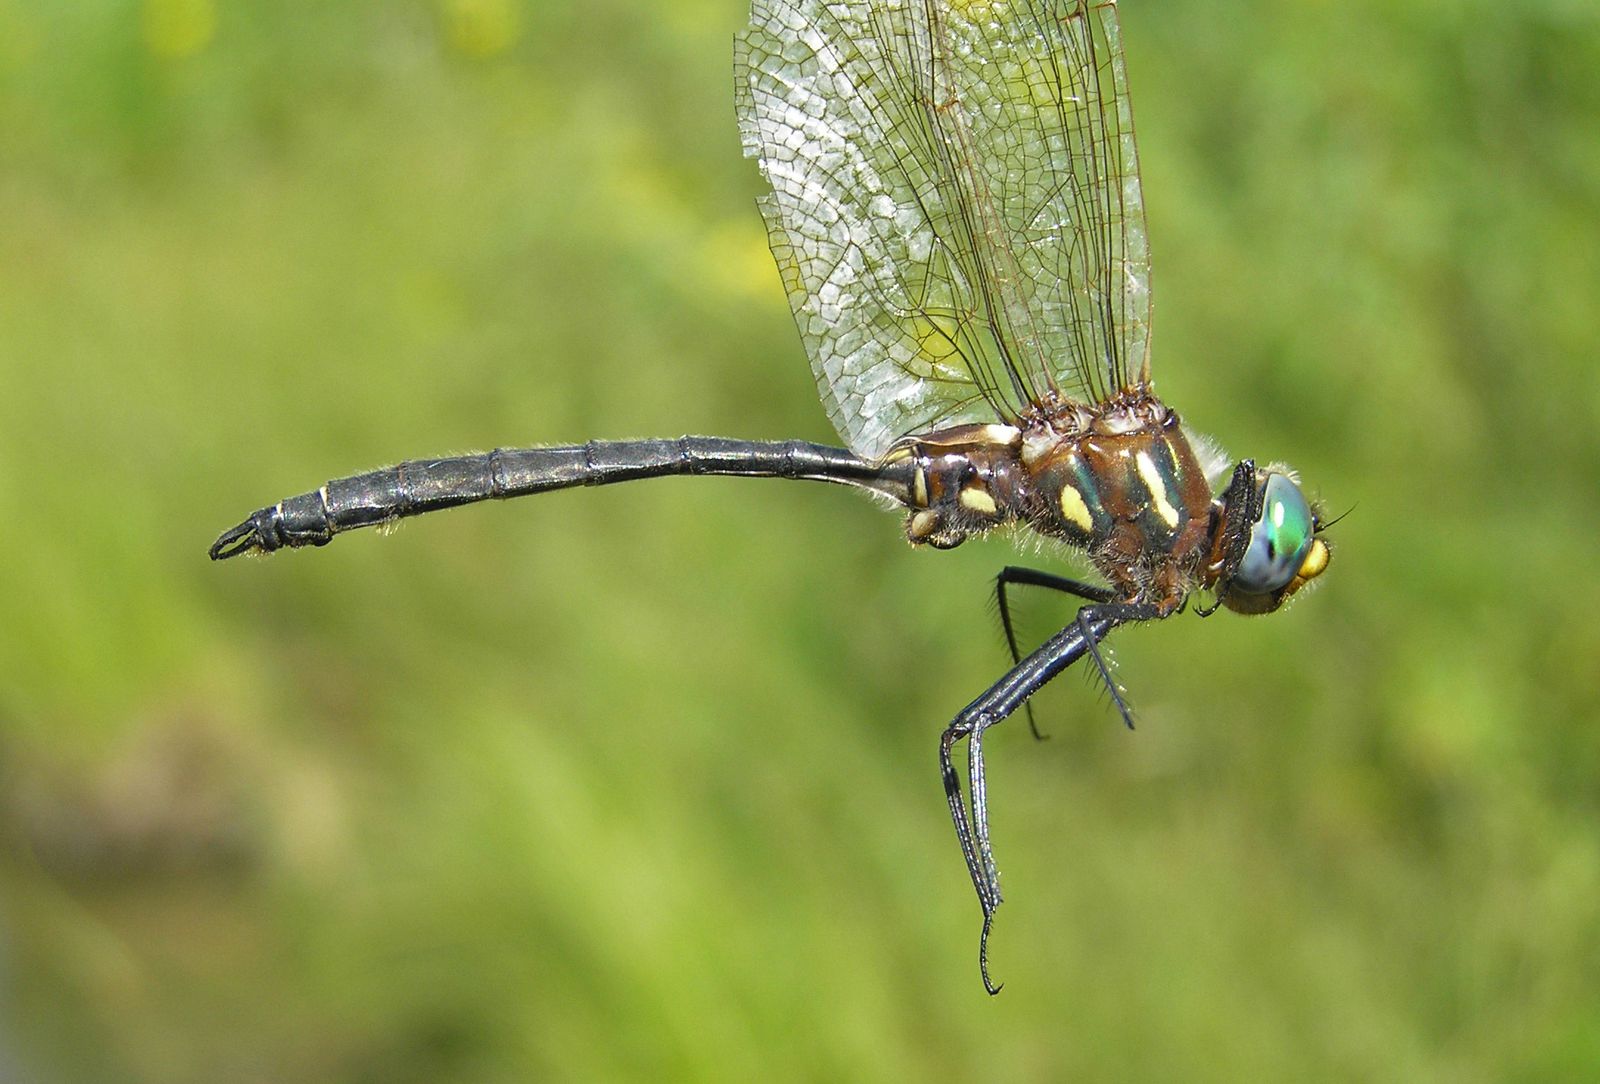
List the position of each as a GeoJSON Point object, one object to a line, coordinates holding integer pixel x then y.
{"type": "Point", "coordinates": [1268, 546]}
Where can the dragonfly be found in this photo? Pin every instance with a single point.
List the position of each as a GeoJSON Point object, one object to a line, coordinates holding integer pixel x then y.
{"type": "Point", "coordinates": [957, 219]}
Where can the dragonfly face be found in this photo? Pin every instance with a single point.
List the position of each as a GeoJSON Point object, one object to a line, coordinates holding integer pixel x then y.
{"type": "Point", "coordinates": [956, 214]}
{"type": "Point", "coordinates": [1282, 552]}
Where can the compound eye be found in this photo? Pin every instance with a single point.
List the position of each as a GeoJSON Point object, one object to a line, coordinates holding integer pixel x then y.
{"type": "Point", "coordinates": [1279, 540]}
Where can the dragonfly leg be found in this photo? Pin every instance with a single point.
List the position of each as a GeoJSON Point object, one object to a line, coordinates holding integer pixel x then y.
{"type": "Point", "coordinates": [1117, 613]}
{"type": "Point", "coordinates": [985, 877]}
{"type": "Point", "coordinates": [958, 814]}
{"type": "Point", "coordinates": [980, 829]}
{"type": "Point", "coordinates": [971, 815]}
{"type": "Point", "coordinates": [1032, 577]}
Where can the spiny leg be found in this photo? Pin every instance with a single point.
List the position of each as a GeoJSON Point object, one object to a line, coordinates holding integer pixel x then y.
{"type": "Point", "coordinates": [983, 872]}
{"type": "Point", "coordinates": [1117, 613]}
{"type": "Point", "coordinates": [1032, 577]}
{"type": "Point", "coordinates": [995, 704]}
{"type": "Point", "coordinates": [980, 825]}
{"type": "Point", "coordinates": [958, 812]}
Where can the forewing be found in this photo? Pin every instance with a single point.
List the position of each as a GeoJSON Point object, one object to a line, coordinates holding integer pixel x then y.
{"type": "Point", "coordinates": [955, 205]}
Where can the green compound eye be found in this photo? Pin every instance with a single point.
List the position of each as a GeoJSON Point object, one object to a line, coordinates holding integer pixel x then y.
{"type": "Point", "coordinates": [1278, 541]}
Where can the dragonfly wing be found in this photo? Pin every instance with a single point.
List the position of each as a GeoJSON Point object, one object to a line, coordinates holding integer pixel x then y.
{"type": "Point", "coordinates": [955, 205]}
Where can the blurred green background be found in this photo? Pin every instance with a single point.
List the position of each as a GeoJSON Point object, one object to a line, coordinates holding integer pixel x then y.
{"type": "Point", "coordinates": [640, 782]}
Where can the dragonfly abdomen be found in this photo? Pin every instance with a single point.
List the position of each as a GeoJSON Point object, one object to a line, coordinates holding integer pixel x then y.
{"type": "Point", "coordinates": [428, 485]}
{"type": "Point", "coordinates": [964, 480]}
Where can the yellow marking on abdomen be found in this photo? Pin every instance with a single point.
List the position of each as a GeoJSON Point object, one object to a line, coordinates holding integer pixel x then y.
{"type": "Point", "coordinates": [1075, 511]}
{"type": "Point", "coordinates": [975, 498]}
{"type": "Point", "coordinates": [1157, 488]}
{"type": "Point", "coordinates": [999, 434]}
{"type": "Point", "coordinates": [919, 488]}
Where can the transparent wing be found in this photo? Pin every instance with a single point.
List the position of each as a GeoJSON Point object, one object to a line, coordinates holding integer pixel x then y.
{"type": "Point", "coordinates": [955, 205]}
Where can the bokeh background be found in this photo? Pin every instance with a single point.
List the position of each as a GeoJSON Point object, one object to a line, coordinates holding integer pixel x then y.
{"type": "Point", "coordinates": [640, 782]}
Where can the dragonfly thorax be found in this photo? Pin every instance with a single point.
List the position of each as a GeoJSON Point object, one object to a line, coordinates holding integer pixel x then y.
{"type": "Point", "coordinates": [1118, 480]}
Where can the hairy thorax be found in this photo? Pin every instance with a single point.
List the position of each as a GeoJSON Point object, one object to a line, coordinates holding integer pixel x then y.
{"type": "Point", "coordinates": [1118, 479]}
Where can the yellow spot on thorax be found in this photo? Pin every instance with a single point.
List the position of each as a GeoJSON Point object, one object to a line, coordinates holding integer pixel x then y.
{"type": "Point", "coordinates": [1075, 511]}
{"type": "Point", "coordinates": [1157, 488]}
